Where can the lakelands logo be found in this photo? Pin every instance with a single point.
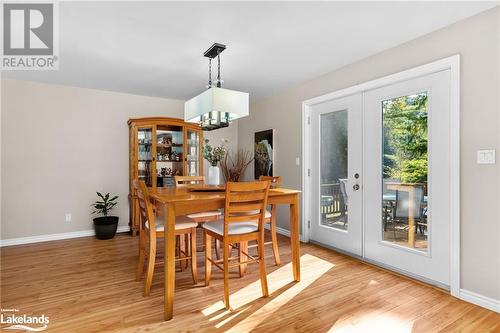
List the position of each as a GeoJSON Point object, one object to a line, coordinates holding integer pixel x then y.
{"type": "Point", "coordinates": [16, 321]}
{"type": "Point", "coordinates": [30, 36]}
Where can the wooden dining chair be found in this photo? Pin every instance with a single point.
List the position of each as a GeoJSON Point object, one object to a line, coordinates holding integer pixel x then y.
{"type": "Point", "coordinates": [184, 181]}
{"type": "Point", "coordinates": [244, 218]}
{"type": "Point", "coordinates": [151, 228]}
{"type": "Point", "coordinates": [275, 182]}
{"type": "Point", "coordinates": [201, 217]}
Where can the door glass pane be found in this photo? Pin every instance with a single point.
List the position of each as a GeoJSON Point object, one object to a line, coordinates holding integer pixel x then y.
{"type": "Point", "coordinates": [333, 172]}
{"type": "Point", "coordinates": [144, 154]}
{"type": "Point", "coordinates": [192, 159]}
{"type": "Point", "coordinates": [169, 159]}
{"type": "Point", "coordinates": [404, 171]}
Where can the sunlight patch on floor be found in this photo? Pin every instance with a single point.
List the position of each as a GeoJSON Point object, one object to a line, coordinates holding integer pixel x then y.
{"type": "Point", "coordinates": [213, 308]}
{"type": "Point", "coordinates": [219, 306]}
{"type": "Point", "coordinates": [382, 323]}
{"type": "Point", "coordinates": [228, 319]}
{"type": "Point", "coordinates": [312, 268]}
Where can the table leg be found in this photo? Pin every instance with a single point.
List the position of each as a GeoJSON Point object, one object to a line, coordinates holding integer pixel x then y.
{"type": "Point", "coordinates": [169, 261]}
{"type": "Point", "coordinates": [294, 236]}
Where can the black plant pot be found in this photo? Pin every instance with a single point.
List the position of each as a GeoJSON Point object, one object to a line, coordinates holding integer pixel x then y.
{"type": "Point", "coordinates": [105, 226]}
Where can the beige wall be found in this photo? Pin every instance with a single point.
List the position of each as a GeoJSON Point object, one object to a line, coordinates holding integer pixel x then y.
{"type": "Point", "coordinates": [60, 145]}
{"type": "Point", "coordinates": [477, 41]}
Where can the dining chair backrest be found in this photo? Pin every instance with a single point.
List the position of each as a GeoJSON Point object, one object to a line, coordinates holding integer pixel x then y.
{"type": "Point", "coordinates": [183, 181]}
{"type": "Point", "coordinates": [404, 203]}
{"type": "Point", "coordinates": [246, 201]}
{"type": "Point", "coordinates": [274, 180]}
{"type": "Point", "coordinates": [343, 189]}
{"type": "Point", "coordinates": [146, 211]}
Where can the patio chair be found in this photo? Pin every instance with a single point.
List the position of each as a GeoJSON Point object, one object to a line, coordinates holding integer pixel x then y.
{"type": "Point", "coordinates": [402, 206]}
{"type": "Point", "coordinates": [343, 191]}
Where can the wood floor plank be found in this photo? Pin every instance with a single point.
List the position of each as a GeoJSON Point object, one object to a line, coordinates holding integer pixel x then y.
{"type": "Point", "coordinates": [86, 285]}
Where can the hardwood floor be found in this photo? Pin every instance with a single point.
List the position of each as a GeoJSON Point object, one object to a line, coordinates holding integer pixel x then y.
{"type": "Point", "coordinates": [87, 285]}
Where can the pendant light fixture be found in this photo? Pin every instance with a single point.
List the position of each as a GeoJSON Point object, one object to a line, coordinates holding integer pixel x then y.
{"type": "Point", "coordinates": [216, 107]}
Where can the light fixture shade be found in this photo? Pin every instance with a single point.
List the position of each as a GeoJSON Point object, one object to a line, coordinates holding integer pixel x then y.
{"type": "Point", "coordinates": [231, 103]}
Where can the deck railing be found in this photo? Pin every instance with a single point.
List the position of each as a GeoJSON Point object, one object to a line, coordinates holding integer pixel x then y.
{"type": "Point", "coordinates": [332, 201]}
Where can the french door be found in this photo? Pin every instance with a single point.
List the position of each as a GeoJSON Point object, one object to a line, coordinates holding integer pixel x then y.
{"type": "Point", "coordinates": [380, 179]}
{"type": "Point", "coordinates": [407, 176]}
{"type": "Point", "coordinates": [337, 145]}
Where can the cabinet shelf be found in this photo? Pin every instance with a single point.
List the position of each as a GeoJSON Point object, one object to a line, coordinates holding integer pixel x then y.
{"type": "Point", "coordinates": [173, 145]}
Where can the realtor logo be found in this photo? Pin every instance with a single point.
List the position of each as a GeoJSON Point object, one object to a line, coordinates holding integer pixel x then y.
{"type": "Point", "coordinates": [11, 319]}
{"type": "Point", "coordinates": [29, 36]}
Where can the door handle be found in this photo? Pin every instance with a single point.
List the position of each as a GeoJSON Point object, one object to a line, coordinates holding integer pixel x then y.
{"type": "Point", "coordinates": [355, 187]}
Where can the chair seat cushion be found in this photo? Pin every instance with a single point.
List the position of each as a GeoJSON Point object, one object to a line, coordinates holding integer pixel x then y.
{"type": "Point", "coordinates": [204, 214]}
{"type": "Point", "coordinates": [268, 213]}
{"type": "Point", "coordinates": [235, 228]}
{"type": "Point", "coordinates": [181, 222]}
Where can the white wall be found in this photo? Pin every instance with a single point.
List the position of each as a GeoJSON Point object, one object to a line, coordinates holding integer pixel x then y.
{"type": "Point", "coordinates": [477, 39]}
{"type": "Point", "coordinates": [61, 144]}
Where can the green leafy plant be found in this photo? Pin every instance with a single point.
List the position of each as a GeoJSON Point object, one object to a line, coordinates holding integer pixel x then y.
{"type": "Point", "coordinates": [213, 154]}
{"type": "Point", "coordinates": [105, 205]}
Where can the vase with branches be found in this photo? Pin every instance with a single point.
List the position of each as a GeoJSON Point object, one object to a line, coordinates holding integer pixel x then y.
{"type": "Point", "coordinates": [234, 165]}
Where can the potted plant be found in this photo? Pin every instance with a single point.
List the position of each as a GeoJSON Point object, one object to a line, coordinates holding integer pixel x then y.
{"type": "Point", "coordinates": [213, 155]}
{"type": "Point", "coordinates": [105, 226]}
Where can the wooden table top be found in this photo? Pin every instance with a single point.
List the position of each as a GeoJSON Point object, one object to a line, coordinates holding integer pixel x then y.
{"type": "Point", "coordinates": [173, 194]}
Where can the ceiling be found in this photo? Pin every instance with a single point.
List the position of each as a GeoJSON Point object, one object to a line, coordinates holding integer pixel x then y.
{"type": "Point", "coordinates": [156, 48]}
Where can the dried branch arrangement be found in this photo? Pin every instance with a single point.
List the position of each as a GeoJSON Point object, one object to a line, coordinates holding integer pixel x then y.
{"type": "Point", "coordinates": [234, 166]}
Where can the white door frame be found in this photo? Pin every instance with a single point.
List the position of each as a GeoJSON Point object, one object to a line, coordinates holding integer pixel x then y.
{"type": "Point", "coordinates": [453, 64]}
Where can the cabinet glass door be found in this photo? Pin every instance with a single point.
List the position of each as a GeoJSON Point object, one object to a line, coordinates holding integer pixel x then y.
{"type": "Point", "coordinates": [145, 155]}
{"type": "Point", "coordinates": [169, 154]}
{"type": "Point", "coordinates": [192, 152]}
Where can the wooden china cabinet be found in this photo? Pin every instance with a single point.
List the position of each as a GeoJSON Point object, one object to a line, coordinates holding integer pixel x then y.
{"type": "Point", "coordinates": [161, 148]}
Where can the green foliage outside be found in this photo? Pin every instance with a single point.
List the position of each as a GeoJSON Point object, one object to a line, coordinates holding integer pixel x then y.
{"type": "Point", "coordinates": [405, 138]}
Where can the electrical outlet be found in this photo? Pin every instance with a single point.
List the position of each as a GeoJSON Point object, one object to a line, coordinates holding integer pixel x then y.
{"type": "Point", "coordinates": [68, 217]}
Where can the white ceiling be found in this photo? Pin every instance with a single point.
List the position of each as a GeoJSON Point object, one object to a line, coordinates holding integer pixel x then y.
{"type": "Point", "coordinates": [155, 48]}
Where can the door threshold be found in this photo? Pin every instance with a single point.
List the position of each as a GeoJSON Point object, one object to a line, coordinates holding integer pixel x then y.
{"type": "Point", "coordinates": [421, 280]}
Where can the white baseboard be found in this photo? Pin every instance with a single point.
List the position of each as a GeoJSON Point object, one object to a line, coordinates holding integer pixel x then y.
{"type": "Point", "coordinates": [483, 301]}
{"type": "Point", "coordinates": [283, 231]}
{"type": "Point", "coordinates": [52, 237]}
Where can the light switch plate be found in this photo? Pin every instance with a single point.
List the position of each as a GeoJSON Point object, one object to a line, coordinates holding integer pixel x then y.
{"type": "Point", "coordinates": [297, 161]}
{"type": "Point", "coordinates": [486, 156]}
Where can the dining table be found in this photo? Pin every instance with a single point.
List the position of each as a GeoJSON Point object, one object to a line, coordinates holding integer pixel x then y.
{"type": "Point", "coordinates": [189, 200]}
